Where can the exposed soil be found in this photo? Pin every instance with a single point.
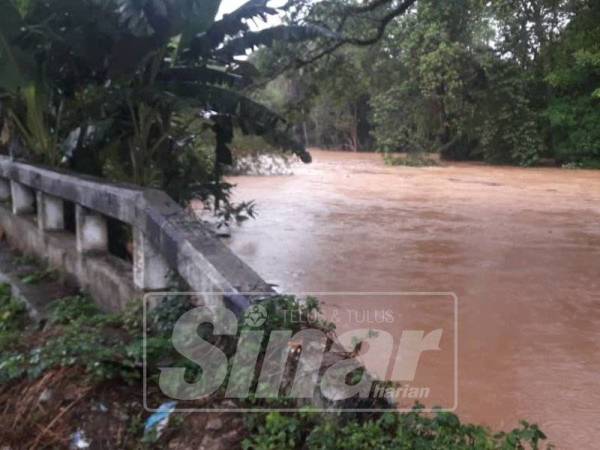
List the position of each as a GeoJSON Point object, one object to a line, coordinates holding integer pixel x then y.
{"type": "Point", "coordinates": [50, 411]}
{"type": "Point", "coordinates": [520, 248]}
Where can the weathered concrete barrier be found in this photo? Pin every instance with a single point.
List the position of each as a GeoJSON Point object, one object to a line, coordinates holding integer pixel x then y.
{"type": "Point", "coordinates": [165, 238]}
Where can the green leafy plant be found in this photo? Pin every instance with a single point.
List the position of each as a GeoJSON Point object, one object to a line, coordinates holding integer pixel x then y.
{"type": "Point", "coordinates": [410, 160]}
{"type": "Point", "coordinates": [442, 431]}
{"type": "Point", "coordinates": [13, 320]}
{"type": "Point", "coordinates": [40, 275]}
{"type": "Point", "coordinates": [125, 89]}
{"type": "Point", "coordinates": [71, 309]}
{"type": "Point", "coordinates": [13, 312]}
{"type": "Point", "coordinates": [79, 335]}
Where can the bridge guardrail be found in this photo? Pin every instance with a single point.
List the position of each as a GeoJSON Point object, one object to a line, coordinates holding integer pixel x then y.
{"type": "Point", "coordinates": [165, 237]}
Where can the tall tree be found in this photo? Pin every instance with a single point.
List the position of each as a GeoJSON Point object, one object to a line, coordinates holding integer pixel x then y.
{"type": "Point", "coordinates": [574, 108]}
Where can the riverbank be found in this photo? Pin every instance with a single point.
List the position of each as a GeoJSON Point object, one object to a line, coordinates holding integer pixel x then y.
{"type": "Point", "coordinates": [80, 378]}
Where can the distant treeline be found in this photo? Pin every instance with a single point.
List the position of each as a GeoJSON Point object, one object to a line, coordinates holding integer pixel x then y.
{"type": "Point", "coordinates": [500, 81]}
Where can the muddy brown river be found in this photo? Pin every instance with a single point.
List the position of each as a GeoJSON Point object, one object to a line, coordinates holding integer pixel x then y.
{"type": "Point", "coordinates": [519, 247]}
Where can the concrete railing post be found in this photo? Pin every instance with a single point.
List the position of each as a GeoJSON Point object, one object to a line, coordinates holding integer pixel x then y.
{"type": "Point", "coordinates": [187, 247]}
{"type": "Point", "coordinates": [50, 211]}
{"type": "Point", "coordinates": [150, 270]}
{"type": "Point", "coordinates": [23, 198]}
{"type": "Point", "coordinates": [92, 232]}
{"type": "Point", "coordinates": [4, 190]}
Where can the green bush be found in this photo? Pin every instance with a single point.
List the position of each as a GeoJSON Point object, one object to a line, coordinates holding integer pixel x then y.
{"type": "Point", "coordinates": [508, 131]}
{"type": "Point", "coordinates": [70, 309]}
{"type": "Point", "coordinates": [410, 160]}
{"type": "Point", "coordinates": [574, 109]}
{"type": "Point", "coordinates": [13, 319]}
{"type": "Point", "coordinates": [78, 334]}
{"type": "Point", "coordinates": [13, 313]}
{"type": "Point", "coordinates": [393, 431]}
{"type": "Point", "coordinates": [244, 144]}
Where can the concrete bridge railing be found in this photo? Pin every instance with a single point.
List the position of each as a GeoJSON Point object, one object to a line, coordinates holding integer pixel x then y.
{"type": "Point", "coordinates": [165, 237]}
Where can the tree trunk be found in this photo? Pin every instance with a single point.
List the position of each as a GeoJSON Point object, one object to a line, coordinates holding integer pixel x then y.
{"type": "Point", "coordinates": [354, 129]}
{"type": "Point", "coordinates": [305, 132]}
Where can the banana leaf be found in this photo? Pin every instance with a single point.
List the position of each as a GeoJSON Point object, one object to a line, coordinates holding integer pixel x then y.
{"type": "Point", "coordinates": [282, 33]}
{"type": "Point", "coordinates": [230, 25]}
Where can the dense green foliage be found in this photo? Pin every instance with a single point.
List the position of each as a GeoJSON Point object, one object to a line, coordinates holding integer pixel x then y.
{"type": "Point", "coordinates": [110, 346]}
{"type": "Point", "coordinates": [442, 431]}
{"type": "Point", "coordinates": [574, 109]}
{"type": "Point", "coordinates": [152, 92]}
{"type": "Point", "coordinates": [505, 82]}
{"type": "Point", "coordinates": [77, 334]}
{"type": "Point", "coordinates": [143, 92]}
{"type": "Point", "coordinates": [12, 311]}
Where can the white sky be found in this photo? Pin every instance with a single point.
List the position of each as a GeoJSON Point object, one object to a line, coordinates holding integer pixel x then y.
{"type": "Point", "coordinates": [228, 6]}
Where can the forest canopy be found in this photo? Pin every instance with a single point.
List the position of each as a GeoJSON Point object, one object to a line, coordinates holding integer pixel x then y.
{"type": "Point", "coordinates": [155, 91]}
{"type": "Point", "coordinates": [500, 81]}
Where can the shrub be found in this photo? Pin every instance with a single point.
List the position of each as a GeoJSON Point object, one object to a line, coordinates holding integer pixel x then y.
{"type": "Point", "coordinates": [410, 160]}
{"type": "Point", "coordinates": [13, 312]}
{"type": "Point", "coordinates": [78, 334]}
{"type": "Point", "coordinates": [414, 430]}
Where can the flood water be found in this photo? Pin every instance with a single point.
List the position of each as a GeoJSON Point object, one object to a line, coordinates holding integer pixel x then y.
{"type": "Point", "coordinates": [519, 247]}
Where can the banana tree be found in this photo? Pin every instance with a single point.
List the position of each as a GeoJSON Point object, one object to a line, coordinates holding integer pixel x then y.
{"type": "Point", "coordinates": [138, 83]}
{"type": "Point", "coordinates": [42, 78]}
{"type": "Point", "coordinates": [197, 65]}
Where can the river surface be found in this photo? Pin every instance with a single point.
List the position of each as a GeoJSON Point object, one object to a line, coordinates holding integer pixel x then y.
{"type": "Point", "coordinates": [519, 247]}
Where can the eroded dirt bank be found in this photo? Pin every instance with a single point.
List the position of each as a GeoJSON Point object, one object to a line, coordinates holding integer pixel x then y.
{"type": "Point", "coordinates": [520, 247]}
